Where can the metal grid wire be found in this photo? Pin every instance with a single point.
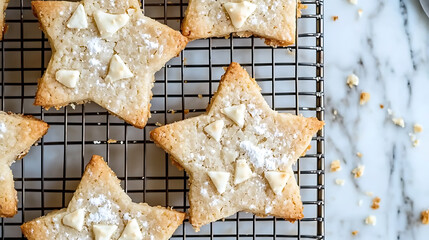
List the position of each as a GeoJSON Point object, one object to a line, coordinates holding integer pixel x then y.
{"type": "Point", "coordinates": [291, 80]}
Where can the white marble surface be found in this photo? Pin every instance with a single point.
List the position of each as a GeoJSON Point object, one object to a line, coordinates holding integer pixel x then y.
{"type": "Point", "coordinates": [387, 47]}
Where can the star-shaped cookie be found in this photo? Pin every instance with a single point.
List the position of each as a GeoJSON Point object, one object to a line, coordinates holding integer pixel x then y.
{"type": "Point", "coordinates": [17, 134]}
{"type": "Point", "coordinates": [106, 52]}
{"type": "Point", "coordinates": [239, 153]}
{"type": "Point", "coordinates": [3, 6]}
{"type": "Point", "coordinates": [274, 20]}
{"type": "Point", "coordinates": [100, 209]}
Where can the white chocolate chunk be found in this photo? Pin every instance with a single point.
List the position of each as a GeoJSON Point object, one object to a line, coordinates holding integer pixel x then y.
{"type": "Point", "coordinates": [236, 113]}
{"type": "Point", "coordinates": [131, 231]}
{"type": "Point", "coordinates": [103, 231]}
{"type": "Point", "coordinates": [108, 24]}
{"type": "Point", "coordinates": [277, 180]}
{"type": "Point", "coordinates": [68, 78]}
{"type": "Point", "coordinates": [214, 129]}
{"type": "Point", "coordinates": [75, 219]}
{"type": "Point", "coordinates": [242, 171]}
{"type": "Point", "coordinates": [220, 180]}
{"type": "Point", "coordinates": [239, 12]}
{"type": "Point", "coordinates": [118, 69]}
{"type": "Point", "coordinates": [371, 220]}
{"type": "Point", "coordinates": [78, 19]}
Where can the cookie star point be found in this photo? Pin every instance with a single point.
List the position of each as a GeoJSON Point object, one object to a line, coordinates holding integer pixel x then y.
{"type": "Point", "coordinates": [266, 141]}
{"type": "Point", "coordinates": [3, 27]}
{"type": "Point", "coordinates": [107, 207]}
{"type": "Point", "coordinates": [275, 21]}
{"type": "Point", "coordinates": [17, 134]}
{"type": "Point", "coordinates": [113, 29]}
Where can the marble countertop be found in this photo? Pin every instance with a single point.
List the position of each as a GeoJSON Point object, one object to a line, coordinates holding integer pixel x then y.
{"type": "Point", "coordinates": [387, 48]}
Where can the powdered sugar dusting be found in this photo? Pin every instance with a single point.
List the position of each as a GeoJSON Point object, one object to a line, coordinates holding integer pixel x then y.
{"type": "Point", "coordinates": [104, 210]}
{"type": "Point", "coordinates": [147, 41]}
{"type": "Point", "coordinates": [3, 129]}
{"type": "Point", "coordinates": [268, 209]}
{"type": "Point", "coordinates": [263, 158]}
{"type": "Point", "coordinates": [94, 46]}
{"type": "Point", "coordinates": [257, 155]}
{"type": "Point", "coordinates": [97, 200]}
{"type": "Point", "coordinates": [260, 128]}
{"type": "Point", "coordinates": [204, 192]}
{"type": "Point", "coordinates": [127, 217]}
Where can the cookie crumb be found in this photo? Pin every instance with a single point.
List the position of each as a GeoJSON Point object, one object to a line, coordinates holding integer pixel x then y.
{"type": "Point", "coordinates": [399, 122]}
{"type": "Point", "coordinates": [172, 111]}
{"type": "Point", "coordinates": [371, 220]}
{"type": "Point", "coordinates": [369, 194]}
{"type": "Point", "coordinates": [352, 80]}
{"type": "Point", "coordinates": [364, 98]}
{"type": "Point", "coordinates": [418, 128]}
{"type": "Point", "coordinates": [360, 202]}
{"type": "Point", "coordinates": [334, 18]}
{"type": "Point", "coordinates": [97, 142]}
{"type": "Point", "coordinates": [358, 172]}
{"type": "Point", "coordinates": [186, 111]}
{"type": "Point", "coordinates": [354, 2]}
{"type": "Point", "coordinates": [200, 96]}
{"type": "Point", "coordinates": [375, 203]}
{"type": "Point", "coordinates": [359, 155]}
{"type": "Point", "coordinates": [354, 233]}
{"type": "Point", "coordinates": [360, 11]}
{"type": "Point", "coordinates": [335, 166]}
{"type": "Point", "coordinates": [340, 182]}
{"type": "Point", "coordinates": [112, 141]}
{"type": "Point", "coordinates": [414, 141]}
{"type": "Point", "coordinates": [73, 106]}
{"type": "Point", "coordinates": [158, 124]}
{"type": "Point", "coordinates": [184, 61]}
{"type": "Point", "coordinates": [425, 217]}
{"type": "Point", "coordinates": [381, 106]}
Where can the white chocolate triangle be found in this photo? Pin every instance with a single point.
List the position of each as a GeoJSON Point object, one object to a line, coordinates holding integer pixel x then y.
{"type": "Point", "coordinates": [236, 113]}
{"type": "Point", "coordinates": [242, 171]}
{"type": "Point", "coordinates": [131, 231]}
{"type": "Point", "coordinates": [75, 219]}
{"type": "Point", "coordinates": [277, 180]}
{"type": "Point", "coordinates": [239, 12]}
{"type": "Point", "coordinates": [118, 69]}
{"type": "Point", "coordinates": [220, 180]}
{"type": "Point", "coordinates": [68, 78]}
{"type": "Point", "coordinates": [108, 23]}
{"type": "Point", "coordinates": [78, 19]}
{"type": "Point", "coordinates": [214, 129]}
{"type": "Point", "coordinates": [103, 231]}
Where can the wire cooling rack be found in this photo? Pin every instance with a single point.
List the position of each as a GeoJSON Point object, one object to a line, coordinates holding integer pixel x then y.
{"type": "Point", "coordinates": [291, 80]}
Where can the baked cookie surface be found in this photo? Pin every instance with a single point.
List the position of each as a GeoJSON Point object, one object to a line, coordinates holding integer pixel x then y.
{"type": "Point", "coordinates": [3, 6]}
{"type": "Point", "coordinates": [100, 209]}
{"type": "Point", "coordinates": [106, 52]}
{"type": "Point", "coordinates": [274, 20]}
{"type": "Point", "coordinates": [239, 153]}
{"type": "Point", "coordinates": [17, 134]}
